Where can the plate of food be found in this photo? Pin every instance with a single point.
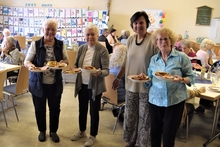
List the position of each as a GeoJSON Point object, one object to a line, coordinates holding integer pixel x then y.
{"type": "Point", "coordinates": [72, 71]}
{"type": "Point", "coordinates": [214, 88]}
{"type": "Point", "coordinates": [56, 65]}
{"type": "Point", "coordinates": [89, 68]}
{"type": "Point", "coordinates": [139, 78]}
{"type": "Point", "coordinates": [38, 69]}
{"type": "Point", "coordinates": [164, 76]}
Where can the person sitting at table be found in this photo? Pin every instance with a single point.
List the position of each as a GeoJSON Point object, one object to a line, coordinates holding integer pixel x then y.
{"type": "Point", "coordinates": [10, 54]}
{"type": "Point", "coordinates": [177, 44]}
{"type": "Point", "coordinates": [206, 60]}
{"type": "Point", "coordinates": [125, 37]}
{"type": "Point", "coordinates": [112, 37]}
{"type": "Point", "coordinates": [102, 38]}
{"type": "Point", "coordinates": [116, 61]}
{"type": "Point", "coordinates": [6, 33]}
{"type": "Point", "coordinates": [210, 51]}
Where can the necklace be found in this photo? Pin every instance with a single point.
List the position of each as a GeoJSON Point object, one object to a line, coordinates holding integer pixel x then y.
{"type": "Point", "coordinates": [141, 40]}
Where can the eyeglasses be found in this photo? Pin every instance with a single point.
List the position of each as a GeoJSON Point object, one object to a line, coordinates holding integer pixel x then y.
{"type": "Point", "coordinates": [161, 39]}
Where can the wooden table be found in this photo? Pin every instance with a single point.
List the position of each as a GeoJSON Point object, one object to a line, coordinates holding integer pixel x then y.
{"type": "Point", "coordinates": [9, 67]}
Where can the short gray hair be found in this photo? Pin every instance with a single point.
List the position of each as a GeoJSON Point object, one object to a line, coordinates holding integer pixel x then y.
{"type": "Point", "coordinates": [50, 21]}
{"type": "Point", "coordinates": [92, 26]}
{"type": "Point", "coordinates": [11, 40]}
{"type": "Point", "coordinates": [186, 43]}
{"type": "Point", "coordinates": [205, 42]}
{"type": "Point", "coordinates": [6, 31]}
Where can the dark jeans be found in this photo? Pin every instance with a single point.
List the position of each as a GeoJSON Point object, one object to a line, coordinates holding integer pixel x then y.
{"type": "Point", "coordinates": [165, 121]}
{"type": "Point", "coordinates": [85, 98]}
{"type": "Point", "coordinates": [54, 108]}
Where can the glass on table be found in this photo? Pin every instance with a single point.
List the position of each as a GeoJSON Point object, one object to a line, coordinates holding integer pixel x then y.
{"type": "Point", "coordinates": [214, 79]}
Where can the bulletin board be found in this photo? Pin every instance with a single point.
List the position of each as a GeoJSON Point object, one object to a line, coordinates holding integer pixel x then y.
{"type": "Point", "coordinates": [71, 21]}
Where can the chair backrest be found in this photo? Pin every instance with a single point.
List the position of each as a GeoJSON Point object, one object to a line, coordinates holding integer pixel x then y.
{"type": "Point", "coordinates": [22, 81]}
{"type": "Point", "coordinates": [21, 40]}
{"type": "Point", "coordinates": [111, 94]}
{"type": "Point", "coordinates": [2, 80]}
{"type": "Point", "coordinates": [71, 57]}
{"type": "Point", "coordinates": [35, 38]}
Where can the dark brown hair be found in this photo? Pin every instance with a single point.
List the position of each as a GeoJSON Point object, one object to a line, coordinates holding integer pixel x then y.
{"type": "Point", "coordinates": [137, 15]}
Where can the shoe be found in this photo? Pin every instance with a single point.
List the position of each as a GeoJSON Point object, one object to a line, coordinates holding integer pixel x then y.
{"type": "Point", "coordinates": [78, 136]}
{"type": "Point", "coordinates": [55, 137]}
{"type": "Point", "coordinates": [90, 141]}
{"type": "Point", "coordinates": [200, 109]}
{"type": "Point", "coordinates": [42, 136]}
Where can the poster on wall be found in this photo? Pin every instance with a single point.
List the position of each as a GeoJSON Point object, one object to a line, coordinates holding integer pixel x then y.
{"type": "Point", "coordinates": [156, 17]}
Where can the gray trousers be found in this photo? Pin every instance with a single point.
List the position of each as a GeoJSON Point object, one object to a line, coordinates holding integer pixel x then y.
{"type": "Point", "coordinates": [137, 119]}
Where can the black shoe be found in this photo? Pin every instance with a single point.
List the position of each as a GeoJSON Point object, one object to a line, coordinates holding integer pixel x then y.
{"type": "Point", "coordinates": [55, 137]}
{"type": "Point", "coordinates": [200, 109]}
{"type": "Point", "coordinates": [42, 136]}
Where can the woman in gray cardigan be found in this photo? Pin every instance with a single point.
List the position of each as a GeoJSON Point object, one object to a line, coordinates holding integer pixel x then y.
{"type": "Point", "coordinates": [89, 86]}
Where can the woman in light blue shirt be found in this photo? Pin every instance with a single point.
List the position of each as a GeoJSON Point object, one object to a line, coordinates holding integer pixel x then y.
{"type": "Point", "coordinates": [167, 98]}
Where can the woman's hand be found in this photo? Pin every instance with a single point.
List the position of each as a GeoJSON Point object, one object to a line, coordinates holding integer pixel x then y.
{"type": "Point", "coordinates": [115, 83]}
{"type": "Point", "coordinates": [178, 79]}
{"type": "Point", "coordinates": [98, 73]}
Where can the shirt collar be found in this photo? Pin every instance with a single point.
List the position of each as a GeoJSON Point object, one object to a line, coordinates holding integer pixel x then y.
{"type": "Point", "coordinates": [173, 53]}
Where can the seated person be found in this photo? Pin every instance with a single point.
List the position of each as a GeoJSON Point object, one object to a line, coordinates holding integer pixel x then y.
{"type": "Point", "coordinates": [121, 37]}
{"type": "Point", "coordinates": [10, 54]}
{"type": "Point", "coordinates": [102, 38]}
{"type": "Point", "coordinates": [210, 51]}
{"type": "Point", "coordinates": [189, 110]}
{"type": "Point", "coordinates": [112, 39]}
{"type": "Point", "coordinates": [6, 33]}
{"type": "Point", "coordinates": [125, 37]}
{"type": "Point", "coordinates": [116, 61]}
{"type": "Point", "coordinates": [177, 45]}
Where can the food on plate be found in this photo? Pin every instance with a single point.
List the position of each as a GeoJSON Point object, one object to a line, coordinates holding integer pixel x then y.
{"type": "Point", "coordinates": [61, 64]}
{"type": "Point", "coordinates": [164, 75]}
{"type": "Point", "coordinates": [52, 63]}
{"type": "Point", "coordinates": [71, 71]}
{"type": "Point", "coordinates": [35, 68]}
{"type": "Point", "coordinates": [88, 67]}
{"type": "Point", "coordinates": [140, 77]}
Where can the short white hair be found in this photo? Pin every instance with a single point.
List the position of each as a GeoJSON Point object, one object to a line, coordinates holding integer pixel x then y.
{"type": "Point", "coordinates": [205, 42]}
{"type": "Point", "coordinates": [118, 55]}
{"type": "Point", "coordinates": [6, 31]}
{"type": "Point", "coordinates": [91, 26]}
{"type": "Point", "coordinates": [50, 21]}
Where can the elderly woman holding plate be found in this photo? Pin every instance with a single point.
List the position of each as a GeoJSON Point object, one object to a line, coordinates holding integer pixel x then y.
{"type": "Point", "coordinates": [167, 97]}
{"type": "Point", "coordinates": [90, 83]}
{"type": "Point", "coordinates": [46, 84]}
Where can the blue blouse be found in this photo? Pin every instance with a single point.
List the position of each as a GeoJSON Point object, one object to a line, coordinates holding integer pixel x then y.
{"type": "Point", "coordinates": [167, 93]}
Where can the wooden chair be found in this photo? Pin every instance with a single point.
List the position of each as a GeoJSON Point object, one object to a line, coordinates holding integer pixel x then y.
{"type": "Point", "coordinates": [21, 40]}
{"type": "Point", "coordinates": [2, 79]}
{"type": "Point", "coordinates": [20, 87]}
{"type": "Point", "coordinates": [35, 38]}
{"type": "Point", "coordinates": [111, 97]}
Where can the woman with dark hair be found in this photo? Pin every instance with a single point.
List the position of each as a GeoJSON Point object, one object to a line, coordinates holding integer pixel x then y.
{"type": "Point", "coordinates": [139, 51]}
{"type": "Point", "coordinates": [112, 37]}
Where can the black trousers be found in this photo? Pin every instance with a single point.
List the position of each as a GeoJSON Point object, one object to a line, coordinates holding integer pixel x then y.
{"type": "Point", "coordinates": [85, 98]}
{"type": "Point", "coordinates": [165, 122]}
{"type": "Point", "coordinates": [54, 108]}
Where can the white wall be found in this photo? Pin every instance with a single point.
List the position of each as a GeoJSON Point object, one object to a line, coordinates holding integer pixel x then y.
{"type": "Point", "coordinates": [180, 14]}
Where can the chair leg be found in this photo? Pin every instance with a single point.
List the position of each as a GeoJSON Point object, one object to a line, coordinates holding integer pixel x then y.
{"type": "Point", "coordinates": [15, 108]}
{"type": "Point", "coordinates": [3, 111]}
{"type": "Point", "coordinates": [116, 122]}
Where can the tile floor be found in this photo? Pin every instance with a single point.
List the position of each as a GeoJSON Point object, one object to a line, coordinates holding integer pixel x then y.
{"type": "Point", "coordinates": [24, 133]}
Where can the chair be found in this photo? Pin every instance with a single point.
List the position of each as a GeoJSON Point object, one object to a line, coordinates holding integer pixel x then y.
{"type": "Point", "coordinates": [111, 97]}
{"type": "Point", "coordinates": [21, 85]}
{"type": "Point", "coordinates": [2, 79]}
{"type": "Point", "coordinates": [21, 40]}
{"type": "Point", "coordinates": [35, 38]}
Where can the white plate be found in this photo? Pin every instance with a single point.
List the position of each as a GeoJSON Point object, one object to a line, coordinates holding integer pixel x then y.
{"type": "Point", "coordinates": [90, 71]}
{"type": "Point", "coordinates": [137, 81]}
{"type": "Point", "coordinates": [71, 72]}
{"type": "Point", "coordinates": [214, 88]}
{"type": "Point", "coordinates": [57, 67]}
{"type": "Point", "coordinates": [165, 79]}
{"type": "Point", "coordinates": [37, 70]}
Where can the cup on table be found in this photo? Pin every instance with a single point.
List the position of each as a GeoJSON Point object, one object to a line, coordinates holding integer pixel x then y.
{"type": "Point", "coordinates": [214, 79]}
